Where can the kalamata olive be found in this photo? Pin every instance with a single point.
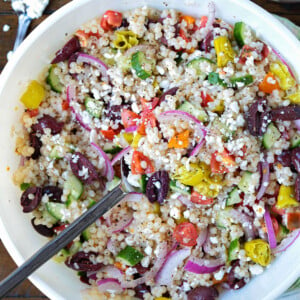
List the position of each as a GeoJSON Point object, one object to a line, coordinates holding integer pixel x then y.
{"type": "Point", "coordinates": [233, 282]}
{"type": "Point", "coordinates": [72, 46]}
{"type": "Point", "coordinates": [171, 92]}
{"type": "Point", "coordinates": [113, 112]}
{"type": "Point", "coordinates": [47, 121]}
{"type": "Point", "coordinates": [54, 193]}
{"type": "Point", "coordinates": [296, 158]}
{"type": "Point", "coordinates": [125, 168]}
{"type": "Point", "coordinates": [285, 158]}
{"type": "Point", "coordinates": [73, 58]}
{"type": "Point", "coordinates": [286, 113]}
{"type": "Point", "coordinates": [297, 188]}
{"type": "Point", "coordinates": [81, 261]}
{"type": "Point", "coordinates": [31, 198]}
{"type": "Point", "coordinates": [83, 169]}
{"type": "Point", "coordinates": [203, 293]}
{"type": "Point", "coordinates": [36, 144]}
{"type": "Point", "coordinates": [42, 229]}
{"type": "Point", "coordinates": [206, 43]}
{"type": "Point", "coordinates": [83, 278]}
{"type": "Point", "coordinates": [158, 186]}
{"type": "Point", "coordinates": [124, 23]}
{"type": "Point", "coordinates": [141, 270]}
{"type": "Point", "coordinates": [140, 290]}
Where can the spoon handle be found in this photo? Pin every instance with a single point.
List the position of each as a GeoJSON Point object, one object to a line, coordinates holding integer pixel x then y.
{"type": "Point", "coordinates": [63, 239]}
{"type": "Point", "coordinates": [23, 24]}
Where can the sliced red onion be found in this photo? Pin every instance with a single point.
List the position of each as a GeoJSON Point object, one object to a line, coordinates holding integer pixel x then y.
{"type": "Point", "coordinates": [173, 260]}
{"type": "Point", "coordinates": [270, 229]}
{"type": "Point", "coordinates": [203, 266]}
{"type": "Point", "coordinates": [170, 92]}
{"type": "Point", "coordinates": [131, 129]}
{"type": "Point", "coordinates": [202, 237]}
{"type": "Point", "coordinates": [111, 247]}
{"type": "Point", "coordinates": [92, 275]}
{"type": "Point", "coordinates": [112, 272]}
{"type": "Point", "coordinates": [287, 242]}
{"type": "Point", "coordinates": [111, 285]}
{"type": "Point", "coordinates": [197, 149]}
{"type": "Point", "coordinates": [133, 197]}
{"type": "Point", "coordinates": [109, 171]}
{"type": "Point", "coordinates": [284, 62]}
{"type": "Point", "coordinates": [171, 115]}
{"type": "Point", "coordinates": [71, 97]}
{"type": "Point", "coordinates": [210, 18]}
{"type": "Point", "coordinates": [297, 124]}
{"type": "Point", "coordinates": [120, 155]}
{"type": "Point", "coordinates": [185, 200]}
{"type": "Point", "coordinates": [265, 179]}
{"type": "Point", "coordinates": [134, 49]}
{"type": "Point", "coordinates": [123, 222]}
{"type": "Point", "coordinates": [95, 62]}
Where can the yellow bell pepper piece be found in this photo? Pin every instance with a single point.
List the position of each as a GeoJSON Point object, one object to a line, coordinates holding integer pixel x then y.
{"type": "Point", "coordinates": [156, 208]}
{"type": "Point", "coordinates": [128, 137]}
{"type": "Point", "coordinates": [125, 39]}
{"type": "Point", "coordinates": [224, 51]}
{"type": "Point", "coordinates": [286, 197]}
{"type": "Point", "coordinates": [259, 251]}
{"type": "Point", "coordinates": [136, 139]}
{"type": "Point", "coordinates": [280, 70]}
{"type": "Point", "coordinates": [219, 108]}
{"type": "Point", "coordinates": [295, 98]}
{"type": "Point", "coordinates": [34, 95]}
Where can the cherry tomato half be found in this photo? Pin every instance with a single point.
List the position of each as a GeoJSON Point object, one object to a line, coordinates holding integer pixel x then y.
{"type": "Point", "coordinates": [141, 164]}
{"type": "Point", "coordinates": [111, 19]}
{"type": "Point", "coordinates": [129, 118]}
{"type": "Point", "coordinates": [186, 234]}
{"type": "Point", "coordinates": [199, 199]}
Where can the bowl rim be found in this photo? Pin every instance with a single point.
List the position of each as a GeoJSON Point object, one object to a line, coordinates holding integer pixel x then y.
{"type": "Point", "coordinates": [26, 44]}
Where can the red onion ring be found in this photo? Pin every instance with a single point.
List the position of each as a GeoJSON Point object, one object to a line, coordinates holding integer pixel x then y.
{"type": "Point", "coordinates": [202, 237]}
{"type": "Point", "coordinates": [210, 18]}
{"type": "Point", "coordinates": [109, 171]}
{"type": "Point", "coordinates": [287, 242]}
{"type": "Point", "coordinates": [131, 129]}
{"type": "Point", "coordinates": [173, 260]}
{"type": "Point", "coordinates": [120, 155]}
{"type": "Point", "coordinates": [95, 62]}
{"type": "Point", "coordinates": [265, 179]}
{"type": "Point", "coordinates": [133, 197]}
{"type": "Point", "coordinates": [284, 62]}
{"type": "Point", "coordinates": [121, 224]}
{"type": "Point", "coordinates": [185, 200]}
{"type": "Point", "coordinates": [109, 285]}
{"type": "Point", "coordinates": [112, 272]}
{"type": "Point", "coordinates": [197, 149]}
{"type": "Point", "coordinates": [203, 266]}
{"type": "Point", "coordinates": [270, 229]}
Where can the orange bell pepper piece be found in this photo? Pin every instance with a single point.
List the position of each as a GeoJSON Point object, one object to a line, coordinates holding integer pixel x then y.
{"type": "Point", "coordinates": [269, 84]}
{"type": "Point", "coordinates": [180, 140]}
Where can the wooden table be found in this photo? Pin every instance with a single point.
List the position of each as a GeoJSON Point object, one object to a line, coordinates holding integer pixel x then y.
{"type": "Point", "coordinates": [27, 290]}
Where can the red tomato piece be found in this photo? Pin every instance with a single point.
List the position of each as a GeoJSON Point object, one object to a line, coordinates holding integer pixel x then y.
{"type": "Point", "coordinates": [200, 199]}
{"type": "Point", "coordinates": [183, 35]}
{"type": "Point", "coordinates": [149, 105]}
{"type": "Point", "coordinates": [186, 234]}
{"type": "Point", "coordinates": [33, 112]}
{"type": "Point", "coordinates": [110, 133]}
{"type": "Point", "coordinates": [129, 118]}
{"type": "Point", "coordinates": [148, 117]}
{"type": "Point", "coordinates": [203, 21]}
{"type": "Point", "coordinates": [220, 162]}
{"type": "Point", "coordinates": [246, 52]}
{"type": "Point", "coordinates": [275, 225]}
{"type": "Point", "coordinates": [59, 229]}
{"type": "Point", "coordinates": [84, 36]}
{"type": "Point", "coordinates": [65, 105]}
{"type": "Point", "coordinates": [110, 20]}
{"type": "Point", "coordinates": [206, 98]}
{"type": "Point", "coordinates": [293, 220]}
{"type": "Point", "coordinates": [278, 211]}
{"type": "Point", "coordinates": [141, 164]}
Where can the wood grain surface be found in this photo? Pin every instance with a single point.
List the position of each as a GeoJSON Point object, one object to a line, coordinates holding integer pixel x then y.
{"type": "Point", "coordinates": [7, 16]}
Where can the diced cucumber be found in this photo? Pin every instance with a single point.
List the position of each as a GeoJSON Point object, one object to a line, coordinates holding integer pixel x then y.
{"type": "Point", "coordinates": [282, 233]}
{"type": "Point", "coordinates": [112, 184]}
{"type": "Point", "coordinates": [75, 247]}
{"type": "Point", "coordinates": [196, 65]}
{"type": "Point", "coordinates": [245, 80]}
{"type": "Point", "coordinates": [91, 203]}
{"type": "Point", "coordinates": [56, 210]}
{"type": "Point", "coordinates": [86, 234]}
{"type": "Point", "coordinates": [24, 186]}
{"type": "Point", "coordinates": [271, 135]}
{"type": "Point", "coordinates": [223, 129]}
{"type": "Point", "coordinates": [214, 79]}
{"type": "Point", "coordinates": [74, 186]}
{"type": "Point", "coordinates": [233, 250]}
{"type": "Point", "coordinates": [180, 189]}
{"type": "Point", "coordinates": [138, 61]}
{"type": "Point", "coordinates": [199, 113]}
{"type": "Point", "coordinates": [93, 107]}
{"type": "Point", "coordinates": [113, 150]}
{"type": "Point", "coordinates": [247, 182]}
{"type": "Point", "coordinates": [223, 218]}
{"type": "Point", "coordinates": [61, 256]}
{"type": "Point", "coordinates": [143, 181]}
{"type": "Point", "coordinates": [47, 217]}
{"type": "Point", "coordinates": [130, 256]}
{"type": "Point", "coordinates": [234, 197]}
{"type": "Point", "coordinates": [295, 141]}
{"type": "Point", "coordinates": [53, 80]}
{"type": "Point", "coordinates": [242, 33]}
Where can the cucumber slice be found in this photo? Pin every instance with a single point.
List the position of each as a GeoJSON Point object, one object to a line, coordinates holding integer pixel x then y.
{"type": "Point", "coordinates": [75, 247]}
{"type": "Point", "coordinates": [74, 186]}
{"type": "Point", "coordinates": [56, 210]}
{"type": "Point", "coordinates": [246, 80]}
{"type": "Point", "coordinates": [61, 256]}
{"type": "Point", "coordinates": [223, 218]}
{"type": "Point", "coordinates": [271, 135]}
{"type": "Point", "coordinates": [234, 197]}
{"type": "Point", "coordinates": [223, 129]}
{"type": "Point", "coordinates": [200, 114]}
{"type": "Point", "coordinates": [113, 150]}
{"type": "Point", "coordinates": [180, 189]}
{"type": "Point", "coordinates": [247, 182]}
{"type": "Point", "coordinates": [91, 203]}
{"type": "Point", "coordinates": [143, 181]}
{"type": "Point", "coordinates": [138, 61]}
{"type": "Point", "coordinates": [233, 250]}
{"type": "Point", "coordinates": [130, 256]}
{"type": "Point", "coordinates": [196, 65]}
{"type": "Point", "coordinates": [214, 79]}
{"type": "Point", "coordinates": [242, 33]}
{"type": "Point", "coordinates": [86, 234]}
{"type": "Point", "coordinates": [112, 184]}
{"type": "Point", "coordinates": [53, 80]}
{"type": "Point", "coordinates": [24, 186]}
{"type": "Point", "coordinates": [93, 107]}
{"type": "Point", "coordinates": [295, 141]}
{"type": "Point", "coordinates": [48, 217]}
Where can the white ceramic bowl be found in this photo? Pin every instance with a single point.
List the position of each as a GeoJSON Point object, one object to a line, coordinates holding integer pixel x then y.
{"type": "Point", "coordinates": [57, 281]}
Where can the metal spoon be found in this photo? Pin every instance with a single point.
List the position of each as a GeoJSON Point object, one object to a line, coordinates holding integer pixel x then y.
{"type": "Point", "coordinates": [63, 239]}
{"type": "Point", "coordinates": [27, 10]}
